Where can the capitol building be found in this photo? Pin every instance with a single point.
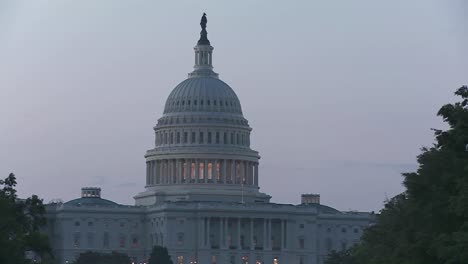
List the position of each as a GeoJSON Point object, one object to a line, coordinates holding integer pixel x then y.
{"type": "Point", "coordinates": [202, 198]}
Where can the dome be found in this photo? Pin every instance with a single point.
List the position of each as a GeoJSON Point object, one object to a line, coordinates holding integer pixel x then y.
{"type": "Point", "coordinates": [203, 94]}
{"type": "Point", "coordinates": [91, 201]}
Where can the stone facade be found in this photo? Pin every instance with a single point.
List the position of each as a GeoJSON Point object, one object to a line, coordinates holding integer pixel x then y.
{"type": "Point", "coordinates": [202, 196]}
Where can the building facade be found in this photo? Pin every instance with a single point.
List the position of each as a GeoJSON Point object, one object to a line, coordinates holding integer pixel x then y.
{"type": "Point", "coordinates": [202, 196]}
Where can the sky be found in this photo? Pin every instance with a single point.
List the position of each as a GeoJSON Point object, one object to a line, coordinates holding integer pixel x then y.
{"type": "Point", "coordinates": [341, 95]}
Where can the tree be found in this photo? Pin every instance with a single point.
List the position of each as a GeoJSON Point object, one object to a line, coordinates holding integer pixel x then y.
{"type": "Point", "coordinates": [341, 257]}
{"type": "Point", "coordinates": [20, 224]}
{"type": "Point", "coordinates": [90, 257]}
{"type": "Point", "coordinates": [428, 223]}
{"type": "Point", "coordinates": [159, 255]}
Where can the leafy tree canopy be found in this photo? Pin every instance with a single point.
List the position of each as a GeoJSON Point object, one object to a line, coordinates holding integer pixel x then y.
{"type": "Point", "coordinates": [159, 255]}
{"type": "Point", "coordinates": [20, 224]}
{"type": "Point", "coordinates": [428, 223]}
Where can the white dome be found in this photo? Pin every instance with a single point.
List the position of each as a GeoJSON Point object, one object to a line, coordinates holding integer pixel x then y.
{"type": "Point", "coordinates": [203, 94]}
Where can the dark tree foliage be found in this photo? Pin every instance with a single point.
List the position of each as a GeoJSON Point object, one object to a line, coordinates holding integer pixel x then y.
{"type": "Point", "coordinates": [159, 255]}
{"type": "Point", "coordinates": [341, 257]}
{"type": "Point", "coordinates": [20, 223]}
{"type": "Point", "coordinates": [428, 223]}
{"type": "Point", "coordinates": [90, 257]}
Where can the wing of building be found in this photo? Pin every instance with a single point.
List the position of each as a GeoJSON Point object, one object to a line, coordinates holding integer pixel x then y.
{"type": "Point", "coordinates": [202, 196]}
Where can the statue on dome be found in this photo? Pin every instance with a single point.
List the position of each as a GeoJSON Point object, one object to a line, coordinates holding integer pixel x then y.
{"type": "Point", "coordinates": [203, 21]}
{"type": "Point", "coordinates": [203, 34]}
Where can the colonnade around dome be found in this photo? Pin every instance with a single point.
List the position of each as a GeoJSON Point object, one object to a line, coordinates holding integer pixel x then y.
{"type": "Point", "coordinates": [202, 171]}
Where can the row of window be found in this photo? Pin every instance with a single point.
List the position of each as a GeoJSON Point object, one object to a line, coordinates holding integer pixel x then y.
{"type": "Point", "coordinates": [106, 240]}
{"type": "Point", "coordinates": [169, 120]}
{"type": "Point", "coordinates": [344, 230]}
{"type": "Point", "coordinates": [202, 137]}
{"type": "Point", "coordinates": [203, 105]}
{"type": "Point", "coordinates": [106, 224]}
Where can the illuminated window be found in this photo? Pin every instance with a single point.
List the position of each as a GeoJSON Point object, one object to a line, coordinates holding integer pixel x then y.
{"type": "Point", "coordinates": [275, 260]}
{"type": "Point", "coordinates": [201, 168]}
{"type": "Point", "coordinates": [192, 171]}
{"type": "Point", "coordinates": [218, 171]}
{"type": "Point", "coordinates": [213, 258]}
{"type": "Point", "coordinates": [180, 260]}
{"type": "Point", "coordinates": [245, 259]}
{"type": "Point", "coordinates": [210, 170]}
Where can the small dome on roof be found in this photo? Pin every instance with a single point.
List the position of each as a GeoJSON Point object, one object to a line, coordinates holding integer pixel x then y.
{"type": "Point", "coordinates": [91, 201]}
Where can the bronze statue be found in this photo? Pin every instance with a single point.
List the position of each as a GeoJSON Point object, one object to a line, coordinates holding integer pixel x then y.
{"type": "Point", "coordinates": [203, 21]}
{"type": "Point", "coordinates": [203, 34]}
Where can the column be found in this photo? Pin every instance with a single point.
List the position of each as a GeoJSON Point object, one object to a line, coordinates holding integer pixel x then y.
{"type": "Point", "coordinates": [256, 174]}
{"type": "Point", "coordinates": [168, 177]}
{"type": "Point", "coordinates": [264, 233]}
{"type": "Point", "coordinates": [285, 233]}
{"type": "Point", "coordinates": [159, 177]}
{"type": "Point", "coordinates": [249, 173]}
{"type": "Point", "coordinates": [234, 171]}
{"type": "Point", "coordinates": [269, 234]}
{"type": "Point", "coordinates": [238, 233]}
{"type": "Point", "coordinates": [205, 172]}
{"type": "Point", "coordinates": [282, 234]}
{"type": "Point", "coordinates": [147, 174]}
{"type": "Point", "coordinates": [208, 232]}
{"type": "Point", "coordinates": [224, 171]}
{"type": "Point", "coordinates": [233, 178]}
{"type": "Point", "coordinates": [214, 171]}
{"type": "Point", "coordinates": [246, 165]}
{"type": "Point", "coordinates": [156, 175]}
{"type": "Point", "coordinates": [201, 231]}
{"type": "Point", "coordinates": [252, 246]}
{"type": "Point", "coordinates": [179, 171]}
{"type": "Point", "coordinates": [196, 170]}
{"type": "Point", "coordinates": [226, 232]}
{"type": "Point", "coordinates": [221, 232]}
